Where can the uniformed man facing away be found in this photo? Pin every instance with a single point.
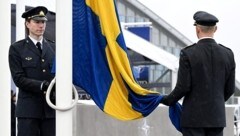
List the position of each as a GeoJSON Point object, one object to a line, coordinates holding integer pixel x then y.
{"type": "Point", "coordinates": [206, 79]}
{"type": "Point", "coordinates": [30, 62]}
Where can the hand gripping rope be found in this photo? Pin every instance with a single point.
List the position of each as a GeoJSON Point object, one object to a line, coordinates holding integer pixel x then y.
{"type": "Point", "coordinates": [60, 108]}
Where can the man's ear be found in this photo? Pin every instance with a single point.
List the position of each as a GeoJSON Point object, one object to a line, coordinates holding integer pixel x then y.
{"type": "Point", "coordinates": [215, 29]}
{"type": "Point", "coordinates": [27, 24]}
{"type": "Point", "coordinates": [198, 30]}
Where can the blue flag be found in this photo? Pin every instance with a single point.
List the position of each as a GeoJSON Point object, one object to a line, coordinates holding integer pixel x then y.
{"type": "Point", "coordinates": [101, 65]}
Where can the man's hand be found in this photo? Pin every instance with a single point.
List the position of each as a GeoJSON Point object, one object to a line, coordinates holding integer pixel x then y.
{"type": "Point", "coordinates": [45, 85]}
{"type": "Point", "coordinates": [165, 100]}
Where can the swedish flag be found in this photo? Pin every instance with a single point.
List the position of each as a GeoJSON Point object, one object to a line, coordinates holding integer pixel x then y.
{"type": "Point", "coordinates": [101, 65]}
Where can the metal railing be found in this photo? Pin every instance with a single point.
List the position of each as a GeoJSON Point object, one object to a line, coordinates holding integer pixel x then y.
{"type": "Point", "coordinates": [237, 127]}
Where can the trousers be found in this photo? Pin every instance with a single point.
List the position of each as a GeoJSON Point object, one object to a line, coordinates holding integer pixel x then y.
{"type": "Point", "coordinates": [187, 131]}
{"type": "Point", "coordinates": [36, 127]}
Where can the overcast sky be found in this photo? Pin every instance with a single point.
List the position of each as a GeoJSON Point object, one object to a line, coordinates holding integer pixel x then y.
{"type": "Point", "coordinates": [179, 14]}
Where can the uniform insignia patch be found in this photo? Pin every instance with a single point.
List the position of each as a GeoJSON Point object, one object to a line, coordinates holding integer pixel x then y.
{"type": "Point", "coordinates": [28, 58]}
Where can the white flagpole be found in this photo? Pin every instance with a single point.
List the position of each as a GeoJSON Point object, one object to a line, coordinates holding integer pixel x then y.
{"type": "Point", "coordinates": [20, 27]}
{"type": "Point", "coordinates": [5, 82]}
{"type": "Point", "coordinates": [63, 66]}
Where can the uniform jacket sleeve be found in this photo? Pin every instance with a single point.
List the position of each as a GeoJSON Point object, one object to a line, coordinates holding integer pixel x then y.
{"type": "Point", "coordinates": [183, 81]}
{"type": "Point", "coordinates": [230, 82]}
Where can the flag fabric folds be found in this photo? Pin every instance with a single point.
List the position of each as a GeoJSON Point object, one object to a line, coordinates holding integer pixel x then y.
{"type": "Point", "coordinates": [101, 66]}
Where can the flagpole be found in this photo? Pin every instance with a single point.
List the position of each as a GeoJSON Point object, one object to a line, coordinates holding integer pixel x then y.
{"type": "Point", "coordinates": [63, 66]}
{"type": "Point", "coordinates": [20, 27]}
{"type": "Point", "coordinates": [5, 82]}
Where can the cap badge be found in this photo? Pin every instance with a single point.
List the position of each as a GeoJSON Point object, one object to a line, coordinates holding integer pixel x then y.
{"type": "Point", "coordinates": [41, 13]}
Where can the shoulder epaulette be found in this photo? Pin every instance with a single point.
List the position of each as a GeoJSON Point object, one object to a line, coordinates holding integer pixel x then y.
{"type": "Point", "coordinates": [16, 42]}
{"type": "Point", "coordinates": [50, 41]}
{"type": "Point", "coordinates": [224, 46]}
{"type": "Point", "coordinates": [189, 46]}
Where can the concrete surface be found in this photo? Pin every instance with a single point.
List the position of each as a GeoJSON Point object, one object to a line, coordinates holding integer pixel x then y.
{"type": "Point", "coordinates": [89, 120]}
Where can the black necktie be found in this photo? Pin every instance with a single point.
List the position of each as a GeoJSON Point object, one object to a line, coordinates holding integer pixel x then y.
{"type": "Point", "coordinates": [39, 47]}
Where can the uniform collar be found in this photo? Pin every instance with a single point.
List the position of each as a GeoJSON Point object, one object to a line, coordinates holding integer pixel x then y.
{"type": "Point", "coordinates": [205, 38]}
{"type": "Point", "coordinates": [35, 41]}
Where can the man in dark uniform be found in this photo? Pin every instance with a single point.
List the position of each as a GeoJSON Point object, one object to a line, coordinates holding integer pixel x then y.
{"type": "Point", "coordinates": [30, 62]}
{"type": "Point", "coordinates": [206, 79]}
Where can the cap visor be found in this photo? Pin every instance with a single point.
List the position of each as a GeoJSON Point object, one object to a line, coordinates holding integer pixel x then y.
{"type": "Point", "coordinates": [40, 18]}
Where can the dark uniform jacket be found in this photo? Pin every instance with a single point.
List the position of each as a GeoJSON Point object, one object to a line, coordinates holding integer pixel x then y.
{"type": "Point", "coordinates": [206, 78]}
{"type": "Point", "coordinates": [29, 69]}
